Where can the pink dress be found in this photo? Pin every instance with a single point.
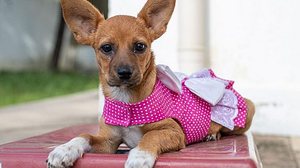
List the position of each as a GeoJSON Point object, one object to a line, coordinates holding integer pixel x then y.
{"type": "Point", "coordinates": [191, 109]}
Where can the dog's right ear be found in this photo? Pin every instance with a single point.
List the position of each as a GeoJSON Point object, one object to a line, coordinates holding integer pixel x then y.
{"type": "Point", "coordinates": [82, 19]}
{"type": "Point", "coordinates": [156, 15]}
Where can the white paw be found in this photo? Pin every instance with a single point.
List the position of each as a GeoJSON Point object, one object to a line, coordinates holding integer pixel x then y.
{"type": "Point", "coordinates": [66, 154]}
{"type": "Point", "coordinates": [139, 159]}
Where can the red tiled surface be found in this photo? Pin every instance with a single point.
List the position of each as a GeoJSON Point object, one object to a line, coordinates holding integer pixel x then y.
{"type": "Point", "coordinates": [233, 151]}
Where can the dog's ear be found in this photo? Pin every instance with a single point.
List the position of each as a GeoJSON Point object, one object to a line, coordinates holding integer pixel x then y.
{"type": "Point", "coordinates": [82, 19]}
{"type": "Point", "coordinates": [156, 15]}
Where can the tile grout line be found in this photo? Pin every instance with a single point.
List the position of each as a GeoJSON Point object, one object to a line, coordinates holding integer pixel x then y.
{"type": "Point", "coordinates": [293, 151]}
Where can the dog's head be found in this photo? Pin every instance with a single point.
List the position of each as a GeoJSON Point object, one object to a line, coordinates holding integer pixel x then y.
{"type": "Point", "coordinates": [122, 43]}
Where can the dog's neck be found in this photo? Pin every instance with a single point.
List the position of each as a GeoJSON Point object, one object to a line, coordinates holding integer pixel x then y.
{"type": "Point", "coordinates": [137, 93]}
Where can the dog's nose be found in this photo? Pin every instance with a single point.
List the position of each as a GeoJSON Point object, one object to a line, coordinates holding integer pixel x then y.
{"type": "Point", "coordinates": [124, 72]}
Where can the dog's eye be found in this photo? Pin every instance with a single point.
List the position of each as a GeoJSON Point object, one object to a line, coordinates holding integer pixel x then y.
{"type": "Point", "coordinates": [106, 48]}
{"type": "Point", "coordinates": [139, 47]}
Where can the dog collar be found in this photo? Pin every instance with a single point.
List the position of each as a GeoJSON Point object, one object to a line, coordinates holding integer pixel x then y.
{"type": "Point", "coordinates": [152, 109]}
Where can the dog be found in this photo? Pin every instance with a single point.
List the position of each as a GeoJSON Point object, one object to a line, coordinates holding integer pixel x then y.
{"type": "Point", "coordinates": [129, 76]}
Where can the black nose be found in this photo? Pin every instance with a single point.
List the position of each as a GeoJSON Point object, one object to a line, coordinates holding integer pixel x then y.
{"type": "Point", "coordinates": [124, 72]}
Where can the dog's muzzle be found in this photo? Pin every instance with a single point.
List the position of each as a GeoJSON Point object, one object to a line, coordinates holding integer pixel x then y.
{"type": "Point", "coordinates": [124, 76]}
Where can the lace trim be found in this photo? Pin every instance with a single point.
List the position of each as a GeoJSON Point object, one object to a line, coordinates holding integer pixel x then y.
{"type": "Point", "coordinates": [226, 110]}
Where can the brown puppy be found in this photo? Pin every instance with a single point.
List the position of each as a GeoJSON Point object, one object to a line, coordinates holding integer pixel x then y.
{"type": "Point", "coordinates": [127, 73]}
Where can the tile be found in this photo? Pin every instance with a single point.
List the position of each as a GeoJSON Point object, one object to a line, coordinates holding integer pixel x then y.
{"type": "Point", "coordinates": [297, 155]}
{"type": "Point", "coordinates": [295, 141]}
{"type": "Point", "coordinates": [275, 151]}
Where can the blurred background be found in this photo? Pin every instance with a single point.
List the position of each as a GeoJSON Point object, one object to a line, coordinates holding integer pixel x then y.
{"type": "Point", "coordinates": [255, 43]}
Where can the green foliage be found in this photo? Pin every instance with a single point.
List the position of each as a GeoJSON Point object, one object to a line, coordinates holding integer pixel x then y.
{"type": "Point", "coordinates": [17, 87]}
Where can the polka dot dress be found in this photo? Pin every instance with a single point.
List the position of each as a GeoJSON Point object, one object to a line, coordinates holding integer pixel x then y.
{"type": "Point", "coordinates": [189, 110]}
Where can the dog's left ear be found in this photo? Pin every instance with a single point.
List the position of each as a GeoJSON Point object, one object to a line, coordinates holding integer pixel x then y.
{"type": "Point", "coordinates": [156, 15]}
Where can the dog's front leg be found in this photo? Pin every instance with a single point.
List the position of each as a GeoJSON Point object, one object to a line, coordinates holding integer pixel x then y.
{"type": "Point", "coordinates": [106, 141]}
{"type": "Point", "coordinates": [159, 137]}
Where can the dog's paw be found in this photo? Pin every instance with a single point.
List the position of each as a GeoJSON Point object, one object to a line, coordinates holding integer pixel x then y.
{"type": "Point", "coordinates": [213, 137]}
{"type": "Point", "coordinates": [66, 154]}
{"type": "Point", "coordinates": [140, 159]}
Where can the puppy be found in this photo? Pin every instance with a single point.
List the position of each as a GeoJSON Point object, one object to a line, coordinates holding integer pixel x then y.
{"type": "Point", "coordinates": [149, 108]}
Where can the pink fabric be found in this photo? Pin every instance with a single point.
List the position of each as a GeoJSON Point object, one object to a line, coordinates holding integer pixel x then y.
{"type": "Point", "coordinates": [191, 112]}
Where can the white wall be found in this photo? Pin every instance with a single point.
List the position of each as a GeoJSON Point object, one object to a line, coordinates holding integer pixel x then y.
{"type": "Point", "coordinates": [256, 43]}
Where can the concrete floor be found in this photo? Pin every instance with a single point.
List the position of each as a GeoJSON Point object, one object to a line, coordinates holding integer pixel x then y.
{"type": "Point", "coordinates": [25, 120]}
{"type": "Point", "coordinates": [278, 151]}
